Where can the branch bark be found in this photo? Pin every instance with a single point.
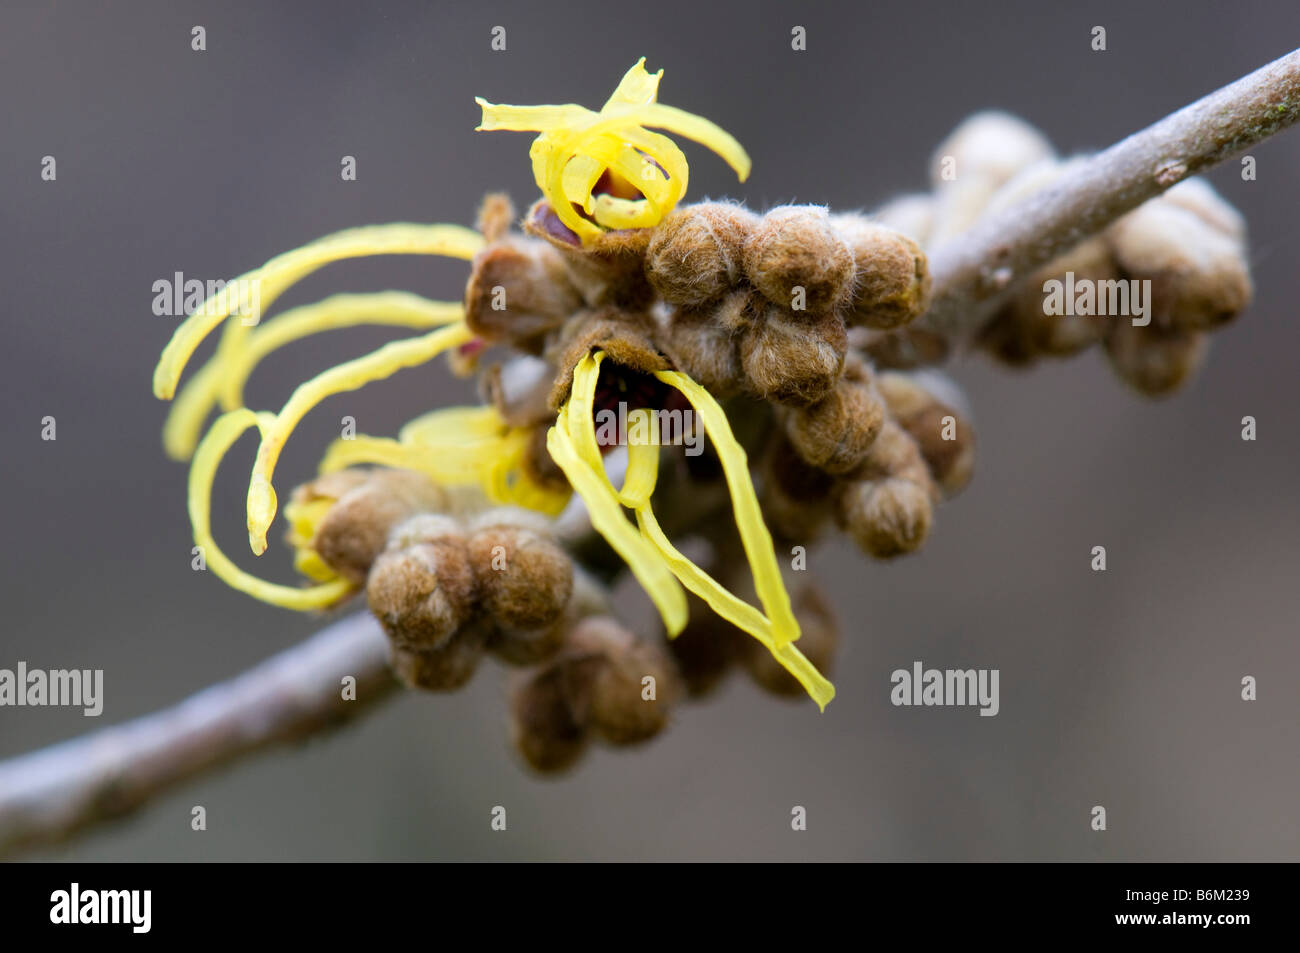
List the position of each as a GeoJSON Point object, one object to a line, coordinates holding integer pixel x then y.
{"type": "Point", "coordinates": [51, 794]}
{"type": "Point", "coordinates": [48, 795]}
{"type": "Point", "coordinates": [975, 273]}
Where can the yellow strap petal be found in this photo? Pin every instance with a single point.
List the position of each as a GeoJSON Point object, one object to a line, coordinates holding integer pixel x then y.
{"type": "Point", "coordinates": [469, 425]}
{"type": "Point", "coordinates": [754, 535]}
{"type": "Point", "coordinates": [224, 379]}
{"type": "Point", "coordinates": [576, 145]}
{"type": "Point", "coordinates": [187, 413]}
{"type": "Point", "coordinates": [351, 375]}
{"type": "Point", "coordinates": [530, 118]}
{"type": "Point", "coordinates": [642, 461]}
{"type": "Point", "coordinates": [735, 610]}
{"type": "Point", "coordinates": [225, 431]}
{"type": "Point", "coordinates": [508, 481]}
{"type": "Point", "coordinates": [693, 127]}
{"type": "Point", "coordinates": [393, 308]}
{"type": "Point", "coordinates": [382, 451]}
{"type": "Point", "coordinates": [401, 238]}
{"type": "Point", "coordinates": [581, 415]}
{"type": "Point", "coordinates": [637, 87]}
{"type": "Point", "coordinates": [607, 518]}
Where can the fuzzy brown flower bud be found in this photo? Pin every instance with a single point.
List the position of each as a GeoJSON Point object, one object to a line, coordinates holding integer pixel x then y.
{"type": "Point", "coordinates": [886, 518]}
{"type": "Point", "coordinates": [422, 588]}
{"type": "Point", "coordinates": [793, 360]}
{"type": "Point", "coordinates": [546, 730]}
{"type": "Point", "coordinates": [1154, 361]}
{"type": "Point", "coordinates": [1022, 330]}
{"type": "Point", "coordinates": [443, 668]}
{"type": "Point", "coordinates": [354, 531]}
{"type": "Point", "coordinates": [798, 260]}
{"type": "Point", "coordinates": [904, 348]}
{"type": "Point", "coordinates": [835, 433]}
{"type": "Point", "coordinates": [941, 431]}
{"type": "Point", "coordinates": [632, 691]}
{"type": "Point", "coordinates": [888, 510]}
{"type": "Point", "coordinates": [983, 154]}
{"type": "Point", "coordinates": [892, 278]}
{"type": "Point", "coordinates": [1192, 252]}
{"type": "Point", "coordinates": [704, 342]}
{"type": "Point", "coordinates": [525, 578]}
{"type": "Point", "coordinates": [694, 256]}
{"type": "Point", "coordinates": [519, 290]}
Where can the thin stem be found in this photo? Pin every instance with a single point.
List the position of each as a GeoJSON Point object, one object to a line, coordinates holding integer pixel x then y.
{"type": "Point", "coordinates": [977, 271]}
{"type": "Point", "coordinates": [50, 794]}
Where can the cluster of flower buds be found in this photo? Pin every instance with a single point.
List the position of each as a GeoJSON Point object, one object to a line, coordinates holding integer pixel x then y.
{"type": "Point", "coordinates": [1148, 288]}
{"type": "Point", "coordinates": [452, 579]}
{"type": "Point", "coordinates": [758, 309]}
{"type": "Point", "coordinates": [604, 682]}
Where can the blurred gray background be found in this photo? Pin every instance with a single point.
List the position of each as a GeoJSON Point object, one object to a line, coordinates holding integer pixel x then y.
{"type": "Point", "coordinates": [1118, 688]}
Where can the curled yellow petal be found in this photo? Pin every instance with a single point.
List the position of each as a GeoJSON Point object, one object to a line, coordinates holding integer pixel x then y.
{"type": "Point", "coordinates": [754, 536]}
{"type": "Point", "coordinates": [392, 308]}
{"type": "Point", "coordinates": [382, 451]}
{"type": "Point", "coordinates": [271, 280]}
{"type": "Point", "coordinates": [457, 446]}
{"type": "Point", "coordinates": [304, 518]}
{"type": "Point", "coordinates": [351, 375]}
{"type": "Point", "coordinates": [735, 610]}
{"type": "Point", "coordinates": [577, 146]}
{"type": "Point", "coordinates": [581, 415]}
{"type": "Point", "coordinates": [224, 376]}
{"type": "Point", "coordinates": [637, 87]}
{"type": "Point", "coordinates": [607, 517]}
{"type": "Point", "coordinates": [642, 461]}
{"type": "Point", "coordinates": [226, 429]}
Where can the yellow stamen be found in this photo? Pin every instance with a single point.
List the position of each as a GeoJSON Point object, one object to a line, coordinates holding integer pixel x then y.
{"type": "Point", "coordinates": [225, 431]}
{"type": "Point", "coordinates": [351, 375]}
{"type": "Point", "coordinates": [577, 146]}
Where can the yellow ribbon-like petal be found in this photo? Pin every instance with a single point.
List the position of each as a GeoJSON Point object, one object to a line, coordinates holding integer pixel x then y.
{"type": "Point", "coordinates": [223, 377]}
{"type": "Point", "coordinates": [573, 445]}
{"type": "Point", "coordinates": [457, 446]}
{"type": "Point", "coordinates": [577, 147]}
{"type": "Point", "coordinates": [754, 535]}
{"type": "Point", "coordinates": [278, 274]}
{"type": "Point", "coordinates": [225, 431]}
{"type": "Point", "coordinates": [351, 375]}
{"type": "Point", "coordinates": [608, 520]}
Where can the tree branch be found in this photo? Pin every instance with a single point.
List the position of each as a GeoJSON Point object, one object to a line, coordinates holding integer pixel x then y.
{"type": "Point", "coordinates": [48, 795]}
{"type": "Point", "coordinates": [51, 794]}
{"type": "Point", "coordinates": [977, 272]}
